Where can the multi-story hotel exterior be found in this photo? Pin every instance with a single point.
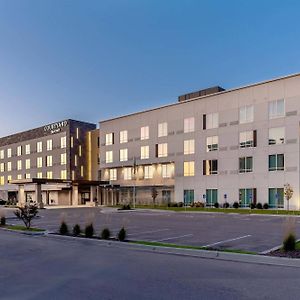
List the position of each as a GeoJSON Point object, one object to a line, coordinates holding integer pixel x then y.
{"type": "Point", "coordinates": [61, 150]}
{"type": "Point", "coordinates": [212, 146]}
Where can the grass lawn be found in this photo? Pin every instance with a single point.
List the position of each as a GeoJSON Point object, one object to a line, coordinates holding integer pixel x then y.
{"type": "Point", "coordinates": [189, 247]}
{"type": "Point", "coordinates": [22, 228]}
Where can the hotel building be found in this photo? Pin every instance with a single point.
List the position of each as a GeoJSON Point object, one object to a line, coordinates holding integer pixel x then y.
{"type": "Point", "coordinates": [214, 145]}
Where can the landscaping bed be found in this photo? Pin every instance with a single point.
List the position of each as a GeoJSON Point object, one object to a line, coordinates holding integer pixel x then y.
{"type": "Point", "coordinates": [291, 254]}
{"type": "Point", "coordinates": [22, 228]}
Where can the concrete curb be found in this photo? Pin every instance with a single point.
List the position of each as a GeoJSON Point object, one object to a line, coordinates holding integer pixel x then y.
{"type": "Point", "coordinates": [35, 233]}
{"type": "Point", "coordinates": [204, 254]}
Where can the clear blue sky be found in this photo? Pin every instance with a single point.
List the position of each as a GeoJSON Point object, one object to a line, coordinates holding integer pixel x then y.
{"type": "Point", "coordinates": [92, 60]}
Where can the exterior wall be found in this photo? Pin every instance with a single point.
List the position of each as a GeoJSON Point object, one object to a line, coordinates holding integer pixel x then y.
{"type": "Point", "coordinates": [227, 104]}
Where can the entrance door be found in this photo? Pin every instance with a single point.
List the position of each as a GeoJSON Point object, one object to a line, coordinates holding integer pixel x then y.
{"type": "Point", "coordinates": [166, 197]}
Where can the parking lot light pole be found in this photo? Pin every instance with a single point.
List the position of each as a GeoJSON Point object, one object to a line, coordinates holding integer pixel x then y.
{"type": "Point", "coordinates": [134, 183]}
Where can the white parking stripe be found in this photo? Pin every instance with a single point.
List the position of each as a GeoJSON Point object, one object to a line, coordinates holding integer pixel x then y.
{"type": "Point", "coordinates": [225, 241]}
{"type": "Point", "coordinates": [173, 238]}
{"type": "Point", "coordinates": [150, 231]}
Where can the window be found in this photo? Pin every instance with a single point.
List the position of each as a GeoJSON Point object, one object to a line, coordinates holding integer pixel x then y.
{"type": "Point", "coordinates": [123, 136]}
{"type": "Point", "coordinates": [75, 160]}
{"type": "Point", "coordinates": [276, 109]}
{"type": "Point", "coordinates": [109, 139]}
{"type": "Point", "coordinates": [19, 150]}
{"type": "Point", "coordinates": [19, 165]}
{"type": "Point", "coordinates": [210, 167]}
{"type": "Point", "coordinates": [189, 125]}
{"type": "Point", "coordinates": [80, 150]}
{"type": "Point", "coordinates": [27, 149]}
{"type": "Point", "coordinates": [1, 180]}
{"type": "Point", "coordinates": [188, 197]}
{"type": "Point", "coordinates": [276, 197]}
{"type": "Point", "coordinates": [144, 152]}
{"type": "Point", "coordinates": [211, 121]}
{"type": "Point", "coordinates": [49, 174]}
{"type": "Point", "coordinates": [162, 129]}
{"type": "Point", "coordinates": [128, 173]}
{"type": "Point", "coordinates": [109, 157]}
{"type": "Point", "coordinates": [2, 167]}
{"type": "Point", "coordinates": [1, 154]}
{"type": "Point", "coordinates": [72, 142]}
{"type": "Point", "coordinates": [39, 175]}
{"type": "Point", "coordinates": [27, 164]}
{"type": "Point", "coordinates": [27, 176]}
{"type": "Point", "coordinates": [247, 196]}
{"type": "Point", "coordinates": [248, 139]}
{"type": "Point", "coordinates": [39, 146]}
{"type": "Point", "coordinates": [49, 145]}
{"type": "Point", "coordinates": [9, 166]}
{"type": "Point", "coordinates": [246, 114]}
{"type": "Point", "coordinates": [276, 135]}
{"type": "Point", "coordinates": [39, 162]}
{"type": "Point", "coordinates": [123, 154]}
{"type": "Point", "coordinates": [211, 197]}
{"type": "Point", "coordinates": [113, 174]}
{"type": "Point", "coordinates": [167, 171]}
{"type": "Point", "coordinates": [63, 159]}
{"type": "Point", "coordinates": [245, 164]}
{"type": "Point", "coordinates": [148, 172]}
{"type": "Point", "coordinates": [212, 143]}
{"type": "Point", "coordinates": [145, 133]}
{"type": "Point", "coordinates": [189, 147]}
{"type": "Point", "coordinates": [49, 161]}
{"type": "Point", "coordinates": [188, 168]}
{"type": "Point", "coordinates": [9, 153]}
{"type": "Point", "coordinates": [9, 178]}
{"type": "Point", "coordinates": [63, 142]}
{"type": "Point", "coordinates": [162, 150]}
{"type": "Point", "coordinates": [63, 174]}
{"type": "Point", "coordinates": [19, 176]}
{"type": "Point", "coordinates": [81, 171]}
{"type": "Point", "coordinates": [77, 133]}
{"type": "Point", "coordinates": [276, 162]}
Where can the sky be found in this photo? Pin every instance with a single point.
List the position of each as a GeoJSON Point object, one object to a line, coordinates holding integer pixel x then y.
{"type": "Point", "coordinates": [93, 60]}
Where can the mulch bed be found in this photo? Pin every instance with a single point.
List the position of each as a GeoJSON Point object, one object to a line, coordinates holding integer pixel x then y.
{"type": "Point", "coordinates": [289, 254]}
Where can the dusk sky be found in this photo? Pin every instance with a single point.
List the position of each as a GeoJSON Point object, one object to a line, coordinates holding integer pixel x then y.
{"type": "Point", "coordinates": [92, 60]}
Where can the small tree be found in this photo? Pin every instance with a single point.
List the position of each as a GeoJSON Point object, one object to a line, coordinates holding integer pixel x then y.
{"type": "Point", "coordinates": [288, 193]}
{"type": "Point", "coordinates": [89, 230]}
{"type": "Point", "coordinates": [63, 229]}
{"type": "Point", "coordinates": [154, 194]}
{"type": "Point", "coordinates": [122, 234]}
{"type": "Point", "coordinates": [26, 213]}
{"type": "Point", "coordinates": [76, 230]}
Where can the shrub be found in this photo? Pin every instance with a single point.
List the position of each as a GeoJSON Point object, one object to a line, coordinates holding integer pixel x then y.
{"type": "Point", "coordinates": [252, 205]}
{"type": "Point", "coordinates": [63, 229]}
{"type": "Point", "coordinates": [216, 205]}
{"type": "Point", "coordinates": [289, 243]}
{"type": "Point", "coordinates": [258, 206]}
{"type": "Point", "coordinates": [76, 230]}
{"type": "Point", "coordinates": [198, 204]}
{"type": "Point", "coordinates": [266, 206]}
{"type": "Point", "coordinates": [122, 234]}
{"type": "Point", "coordinates": [89, 230]}
{"type": "Point", "coordinates": [180, 204]}
{"type": "Point", "coordinates": [235, 205]}
{"type": "Point", "coordinates": [105, 234]}
{"type": "Point", "coordinates": [27, 213]}
{"type": "Point", "coordinates": [225, 205]}
{"type": "Point", "coordinates": [2, 221]}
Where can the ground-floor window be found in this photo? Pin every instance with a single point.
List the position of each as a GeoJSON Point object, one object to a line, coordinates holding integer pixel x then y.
{"type": "Point", "coordinates": [211, 197]}
{"type": "Point", "coordinates": [247, 196]}
{"type": "Point", "coordinates": [276, 197]}
{"type": "Point", "coordinates": [188, 197]}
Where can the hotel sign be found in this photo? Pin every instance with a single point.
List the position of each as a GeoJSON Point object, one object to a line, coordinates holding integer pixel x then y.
{"type": "Point", "coordinates": [55, 127]}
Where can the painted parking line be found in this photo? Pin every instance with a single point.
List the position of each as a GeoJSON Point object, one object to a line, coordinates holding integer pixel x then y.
{"type": "Point", "coordinates": [173, 238]}
{"type": "Point", "coordinates": [226, 241]}
{"type": "Point", "coordinates": [150, 231]}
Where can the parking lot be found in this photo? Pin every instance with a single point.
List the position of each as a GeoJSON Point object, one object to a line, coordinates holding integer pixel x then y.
{"type": "Point", "coordinates": [231, 231]}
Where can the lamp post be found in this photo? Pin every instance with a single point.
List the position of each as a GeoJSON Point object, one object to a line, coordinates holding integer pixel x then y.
{"type": "Point", "coordinates": [225, 200]}
{"type": "Point", "coordinates": [134, 183]}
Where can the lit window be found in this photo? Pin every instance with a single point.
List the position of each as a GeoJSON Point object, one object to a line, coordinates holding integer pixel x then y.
{"type": "Point", "coordinates": [72, 142]}
{"type": "Point", "coordinates": [39, 146]}
{"type": "Point", "coordinates": [1, 180]}
{"type": "Point", "coordinates": [162, 150]}
{"type": "Point", "coordinates": [144, 152]}
{"type": "Point", "coordinates": [189, 168]}
{"type": "Point", "coordinates": [81, 171]}
{"type": "Point", "coordinates": [166, 171]}
{"type": "Point", "coordinates": [276, 135]}
{"type": "Point", "coordinates": [245, 164]}
{"type": "Point", "coordinates": [77, 133]}
{"type": "Point", "coordinates": [123, 136]}
{"type": "Point", "coordinates": [75, 160]}
{"type": "Point", "coordinates": [19, 150]}
{"type": "Point", "coordinates": [27, 149]}
{"type": "Point", "coordinates": [63, 174]}
{"type": "Point", "coordinates": [63, 142]}
{"type": "Point", "coordinates": [109, 139]}
{"type": "Point", "coordinates": [19, 165]}
{"type": "Point", "coordinates": [248, 139]}
{"type": "Point", "coordinates": [9, 178]}
{"type": "Point", "coordinates": [27, 164]}
{"type": "Point", "coordinates": [113, 174]}
{"type": "Point", "coordinates": [148, 172]}
{"type": "Point", "coordinates": [49, 161]}
{"type": "Point", "coordinates": [189, 125]}
{"type": "Point", "coordinates": [127, 173]}
{"type": "Point", "coordinates": [189, 147]}
{"type": "Point", "coordinates": [246, 114]}
{"type": "Point", "coordinates": [27, 176]}
{"type": "Point", "coordinates": [63, 159]}
{"type": "Point", "coordinates": [109, 157]}
{"type": "Point", "coordinates": [49, 145]}
{"type": "Point", "coordinates": [39, 162]}
{"type": "Point", "coordinates": [210, 167]}
{"type": "Point", "coordinates": [49, 175]}
{"type": "Point", "coordinates": [123, 154]}
{"type": "Point", "coordinates": [39, 175]}
{"type": "Point", "coordinates": [276, 162]}
{"type": "Point", "coordinates": [145, 133]}
{"type": "Point", "coordinates": [211, 121]}
{"type": "Point", "coordinates": [9, 153]}
{"type": "Point", "coordinates": [276, 109]}
{"type": "Point", "coordinates": [162, 129]}
{"type": "Point", "coordinates": [19, 176]}
{"type": "Point", "coordinates": [1, 154]}
{"type": "Point", "coordinates": [212, 143]}
{"type": "Point", "coordinates": [2, 167]}
{"type": "Point", "coordinates": [9, 166]}
{"type": "Point", "coordinates": [80, 150]}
